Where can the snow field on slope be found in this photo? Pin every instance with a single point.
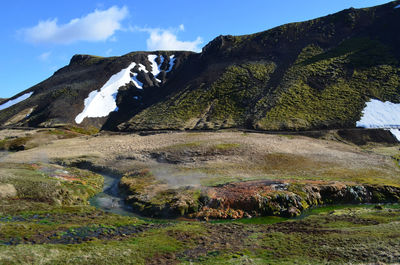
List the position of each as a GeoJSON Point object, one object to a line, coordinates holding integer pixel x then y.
{"type": "Point", "coordinates": [12, 102]}
{"type": "Point", "coordinates": [101, 103]}
{"type": "Point", "coordinates": [156, 68]}
{"type": "Point", "coordinates": [378, 114]}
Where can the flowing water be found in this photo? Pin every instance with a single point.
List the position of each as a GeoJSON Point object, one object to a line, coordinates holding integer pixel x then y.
{"type": "Point", "coordinates": [109, 199]}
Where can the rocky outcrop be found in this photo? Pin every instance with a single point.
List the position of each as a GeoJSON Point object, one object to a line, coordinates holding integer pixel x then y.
{"type": "Point", "coordinates": [288, 199]}
{"type": "Point", "coordinates": [247, 199]}
{"type": "Point", "coordinates": [7, 191]}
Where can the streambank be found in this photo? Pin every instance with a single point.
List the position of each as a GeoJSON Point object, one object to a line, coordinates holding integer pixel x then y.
{"type": "Point", "coordinates": [288, 198]}
{"type": "Point", "coordinates": [248, 199]}
{"type": "Point", "coordinates": [110, 199]}
{"type": "Point", "coordinates": [142, 194]}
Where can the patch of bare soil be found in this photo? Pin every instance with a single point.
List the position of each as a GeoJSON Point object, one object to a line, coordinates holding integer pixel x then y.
{"type": "Point", "coordinates": [134, 149]}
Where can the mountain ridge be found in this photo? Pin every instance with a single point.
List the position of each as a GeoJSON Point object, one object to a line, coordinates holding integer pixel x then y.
{"type": "Point", "coordinates": [316, 74]}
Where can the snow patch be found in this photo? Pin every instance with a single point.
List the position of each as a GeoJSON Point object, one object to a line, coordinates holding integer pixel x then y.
{"type": "Point", "coordinates": [398, 6]}
{"type": "Point", "coordinates": [171, 63]}
{"type": "Point", "coordinates": [101, 103]}
{"type": "Point", "coordinates": [156, 68]}
{"type": "Point", "coordinates": [378, 114]}
{"type": "Point", "coordinates": [142, 68]}
{"type": "Point", "coordinates": [396, 133]}
{"type": "Point", "coordinates": [136, 82]}
{"type": "Point", "coordinates": [136, 97]}
{"type": "Point", "coordinates": [12, 102]}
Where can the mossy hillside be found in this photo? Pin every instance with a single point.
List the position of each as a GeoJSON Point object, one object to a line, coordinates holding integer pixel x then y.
{"type": "Point", "coordinates": [51, 184]}
{"type": "Point", "coordinates": [15, 144]}
{"type": "Point", "coordinates": [225, 103]}
{"type": "Point", "coordinates": [355, 52]}
{"type": "Point", "coordinates": [40, 137]}
{"type": "Point", "coordinates": [329, 89]}
{"type": "Point", "coordinates": [323, 88]}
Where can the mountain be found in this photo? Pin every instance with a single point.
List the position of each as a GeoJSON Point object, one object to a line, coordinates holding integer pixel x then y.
{"type": "Point", "coordinates": [309, 75]}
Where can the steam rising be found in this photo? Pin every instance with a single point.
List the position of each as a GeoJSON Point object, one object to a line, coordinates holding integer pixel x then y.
{"type": "Point", "coordinates": [176, 178]}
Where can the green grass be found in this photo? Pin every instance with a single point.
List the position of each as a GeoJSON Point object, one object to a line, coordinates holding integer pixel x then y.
{"type": "Point", "coordinates": [135, 251]}
{"type": "Point", "coordinates": [341, 234]}
{"type": "Point", "coordinates": [265, 220]}
{"type": "Point", "coordinates": [51, 184]}
{"type": "Point", "coordinates": [91, 130]}
{"type": "Point", "coordinates": [224, 102]}
{"type": "Point", "coordinates": [227, 146]}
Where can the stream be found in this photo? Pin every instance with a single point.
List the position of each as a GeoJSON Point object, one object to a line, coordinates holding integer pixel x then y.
{"type": "Point", "coordinates": [110, 200]}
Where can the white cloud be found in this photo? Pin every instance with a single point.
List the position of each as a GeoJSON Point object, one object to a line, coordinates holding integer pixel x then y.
{"type": "Point", "coordinates": [44, 56]}
{"type": "Point", "coordinates": [99, 25]}
{"type": "Point", "coordinates": [167, 39]}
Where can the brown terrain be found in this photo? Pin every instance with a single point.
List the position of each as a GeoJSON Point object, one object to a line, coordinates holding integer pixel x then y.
{"type": "Point", "coordinates": [227, 174]}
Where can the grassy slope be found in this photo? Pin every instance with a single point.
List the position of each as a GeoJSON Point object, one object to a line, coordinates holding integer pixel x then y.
{"type": "Point", "coordinates": [314, 74]}
{"type": "Point", "coordinates": [226, 103]}
{"type": "Point", "coordinates": [329, 89]}
{"type": "Point", "coordinates": [322, 89]}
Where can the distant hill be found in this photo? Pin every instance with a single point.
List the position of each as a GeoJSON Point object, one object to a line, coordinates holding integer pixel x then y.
{"type": "Point", "coordinates": [309, 75]}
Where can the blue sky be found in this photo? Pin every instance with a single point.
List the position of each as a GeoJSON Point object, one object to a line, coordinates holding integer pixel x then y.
{"type": "Point", "coordinates": [39, 37]}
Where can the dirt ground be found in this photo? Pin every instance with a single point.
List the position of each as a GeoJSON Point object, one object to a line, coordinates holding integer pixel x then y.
{"type": "Point", "coordinates": [218, 155]}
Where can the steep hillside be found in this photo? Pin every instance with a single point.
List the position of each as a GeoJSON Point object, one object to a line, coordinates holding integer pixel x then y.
{"type": "Point", "coordinates": [309, 75]}
{"type": "Point", "coordinates": [61, 98]}
{"type": "Point", "coordinates": [315, 74]}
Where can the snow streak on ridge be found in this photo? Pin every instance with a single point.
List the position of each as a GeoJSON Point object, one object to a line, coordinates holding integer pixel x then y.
{"type": "Point", "coordinates": [12, 102]}
{"type": "Point", "coordinates": [100, 103]}
{"type": "Point", "coordinates": [171, 63]}
{"type": "Point", "coordinates": [156, 68]}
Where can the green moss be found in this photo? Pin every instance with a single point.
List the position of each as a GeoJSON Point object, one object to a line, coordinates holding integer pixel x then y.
{"type": "Point", "coordinates": [184, 146]}
{"type": "Point", "coordinates": [360, 53]}
{"type": "Point", "coordinates": [49, 184]}
{"type": "Point", "coordinates": [63, 134]}
{"type": "Point", "coordinates": [16, 144]}
{"type": "Point", "coordinates": [67, 93]}
{"type": "Point", "coordinates": [227, 146]}
{"type": "Point", "coordinates": [224, 103]}
{"type": "Point", "coordinates": [91, 130]}
{"type": "Point", "coordinates": [329, 89]}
